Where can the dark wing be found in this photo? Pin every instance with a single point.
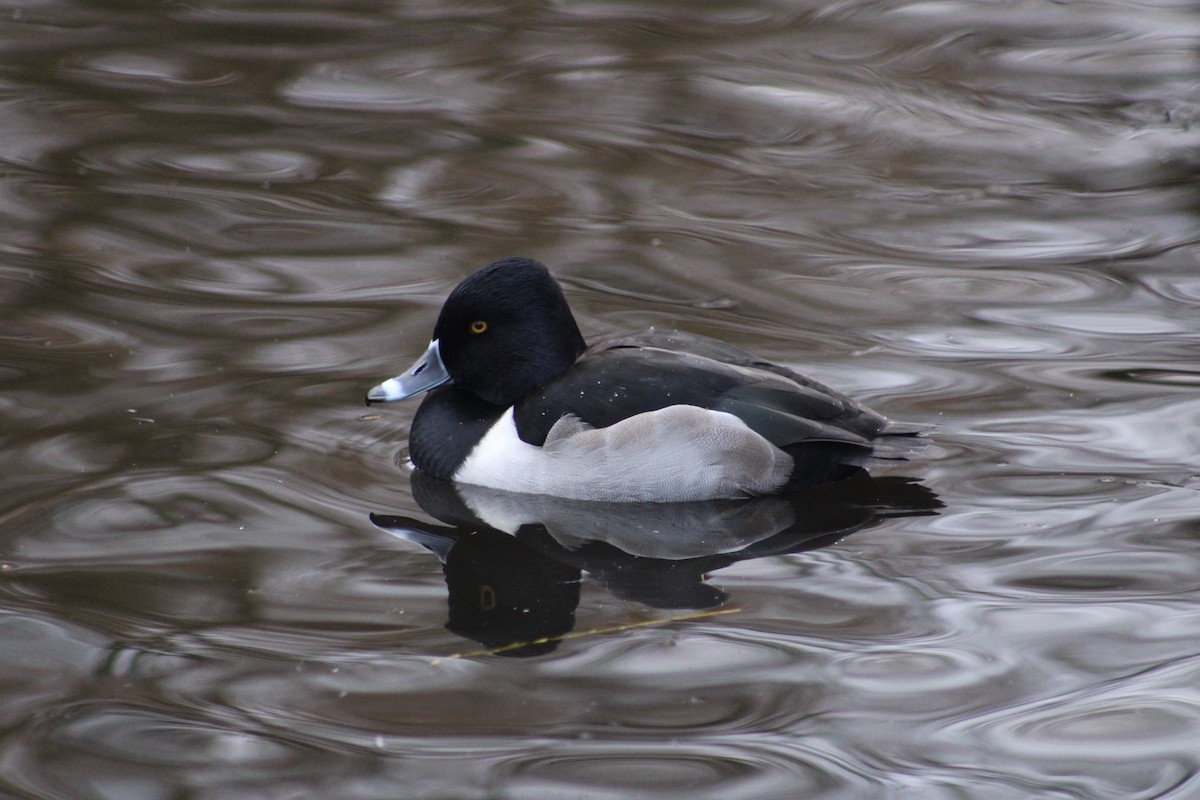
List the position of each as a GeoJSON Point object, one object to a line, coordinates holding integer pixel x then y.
{"type": "Point", "coordinates": [628, 376]}
{"type": "Point", "coordinates": [714, 349]}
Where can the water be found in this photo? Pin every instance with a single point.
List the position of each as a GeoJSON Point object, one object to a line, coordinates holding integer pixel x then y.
{"type": "Point", "coordinates": [224, 222]}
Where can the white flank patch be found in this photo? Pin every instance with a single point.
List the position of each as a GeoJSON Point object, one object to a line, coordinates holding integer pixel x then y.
{"type": "Point", "coordinates": [677, 454]}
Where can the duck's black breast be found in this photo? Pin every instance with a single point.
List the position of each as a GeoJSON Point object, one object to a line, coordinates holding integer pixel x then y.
{"type": "Point", "coordinates": [630, 376]}
{"type": "Point", "coordinates": [446, 427]}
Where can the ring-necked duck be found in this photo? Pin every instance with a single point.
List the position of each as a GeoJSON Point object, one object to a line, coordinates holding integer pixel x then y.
{"type": "Point", "coordinates": [518, 401]}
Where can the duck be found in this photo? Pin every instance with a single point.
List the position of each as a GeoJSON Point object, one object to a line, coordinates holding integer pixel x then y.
{"type": "Point", "coordinates": [516, 400]}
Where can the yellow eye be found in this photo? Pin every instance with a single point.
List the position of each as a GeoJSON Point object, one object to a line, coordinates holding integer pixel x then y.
{"type": "Point", "coordinates": [478, 326]}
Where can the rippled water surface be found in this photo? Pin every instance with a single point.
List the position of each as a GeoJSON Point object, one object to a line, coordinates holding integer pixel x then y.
{"type": "Point", "coordinates": [224, 221]}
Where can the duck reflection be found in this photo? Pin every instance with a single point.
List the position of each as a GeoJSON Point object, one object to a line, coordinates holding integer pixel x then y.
{"type": "Point", "coordinates": [514, 562]}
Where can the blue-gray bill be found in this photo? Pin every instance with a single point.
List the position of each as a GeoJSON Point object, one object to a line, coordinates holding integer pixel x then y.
{"type": "Point", "coordinates": [427, 373]}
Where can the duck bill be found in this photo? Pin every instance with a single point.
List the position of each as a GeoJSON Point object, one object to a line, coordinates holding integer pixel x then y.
{"type": "Point", "coordinates": [427, 373]}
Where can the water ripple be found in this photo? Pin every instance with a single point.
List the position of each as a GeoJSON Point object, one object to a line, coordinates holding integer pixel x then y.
{"type": "Point", "coordinates": [394, 83]}
{"type": "Point", "coordinates": [147, 737]}
{"type": "Point", "coordinates": [140, 71]}
{"type": "Point", "coordinates": [1130, 720]}
{"type": "Point", "coordinates": [945, 675]}
{"type": "Point", "coordinates": [161, 161]}
{"type": "Point", "coordinates": [1132, 323]}
{"type": "Point", "coordinates": [710, 771]}
{"type": "Point", "coordinates": [973, 286]}
{"type": "Point", "coordinates": [1141, 436]}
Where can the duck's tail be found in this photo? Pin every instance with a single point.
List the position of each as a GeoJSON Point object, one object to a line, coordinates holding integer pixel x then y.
{"type": "Point", "coordinates": [899, 441]}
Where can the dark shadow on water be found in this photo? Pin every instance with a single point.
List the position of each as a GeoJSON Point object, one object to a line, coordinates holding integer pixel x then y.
{"type": "Point", "coordinates": [513, 563]}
